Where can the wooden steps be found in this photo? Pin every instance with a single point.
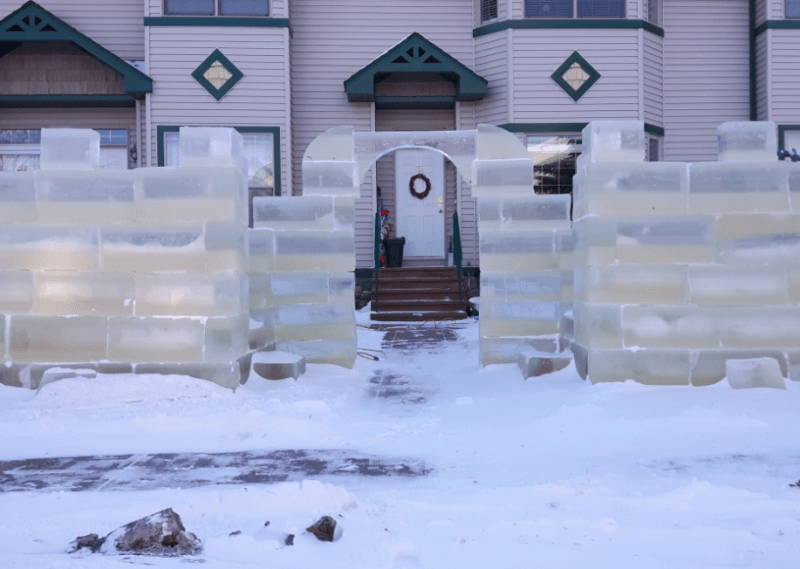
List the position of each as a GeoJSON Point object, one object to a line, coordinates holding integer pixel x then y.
{"type": "Point", "coordinates": [418, 294]}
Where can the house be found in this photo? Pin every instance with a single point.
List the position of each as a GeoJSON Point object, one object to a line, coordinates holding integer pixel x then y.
{"type": "Point", "coordinates": [284, 71]}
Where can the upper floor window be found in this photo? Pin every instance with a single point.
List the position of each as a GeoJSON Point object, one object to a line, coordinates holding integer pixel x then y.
{"type": "Point", "coordinates": [554, 162]}
{"type": "Point", "coordinates": [488, 10]}
{"type": "Point", "coordinates": [793, 8]}
{"type": "Point", "coordinates": [568, 8]}
{"type": "Point", "coordinates": [653, 12]}
{"type": "Point", "coordinates": [20, 149]}
{"type": "Point", "coordinates": [216, 7]}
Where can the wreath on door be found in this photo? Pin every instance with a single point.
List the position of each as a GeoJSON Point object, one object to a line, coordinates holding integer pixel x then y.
{"type": "Point", "coordinates": [414, 192]}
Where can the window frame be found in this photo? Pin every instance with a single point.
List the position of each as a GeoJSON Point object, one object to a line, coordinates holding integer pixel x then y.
{"type": "Point", "coordinates": [217, 11]}
{"type": "Point", "coordinates": [574, 13]}
{"type": "Point", "coordinates": [35, 148]}
{"type": "Point", "coordinates": [484, 7]}
{"type": "Point", "coordinates": [554, 134]}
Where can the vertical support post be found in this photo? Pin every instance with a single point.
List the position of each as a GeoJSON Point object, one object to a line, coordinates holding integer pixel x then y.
{"type": "Point", "coordinates": [457, 257]}
{"type": "Point", "coordinates": [377, 257]}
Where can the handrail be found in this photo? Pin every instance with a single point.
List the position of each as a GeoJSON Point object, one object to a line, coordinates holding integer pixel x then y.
{"type": "Point", "coordinates": [377, 258]}
{"type": "Point", "coordinates": [457, 254]}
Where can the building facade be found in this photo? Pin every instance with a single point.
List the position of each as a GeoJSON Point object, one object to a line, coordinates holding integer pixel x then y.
{"type": "Point", "coordinates": [284, 71]}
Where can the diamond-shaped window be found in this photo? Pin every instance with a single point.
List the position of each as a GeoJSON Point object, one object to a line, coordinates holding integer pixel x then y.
{"type": "Point", "coordinates": [217, 74]}
{"type": "Point", "coordinates": [575, 76]}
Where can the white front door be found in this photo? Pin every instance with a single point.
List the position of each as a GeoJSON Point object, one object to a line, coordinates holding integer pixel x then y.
{"type": "Point", "coordinates": [420, 221]}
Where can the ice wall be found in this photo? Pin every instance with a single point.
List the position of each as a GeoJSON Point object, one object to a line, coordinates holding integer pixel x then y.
{"type": "Point", "coordinates": [135, 270]}
{"type": "Point", "coordinates": [681, 267]}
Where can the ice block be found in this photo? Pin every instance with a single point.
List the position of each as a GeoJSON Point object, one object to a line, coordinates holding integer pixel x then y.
{"type": "Point", "coordinates": [70, 149]}
{"type": "Point", "coordinates": [748, 141]}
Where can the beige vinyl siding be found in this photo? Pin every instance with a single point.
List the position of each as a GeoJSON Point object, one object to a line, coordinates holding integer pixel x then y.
{"type": "Point", "coordinates": [785, 67]}
{"type": "Point", "coordinates": [776, 9]}
{"type": "Point", "coordinates": [614, 53]}
{"type": "Point", "coordinates": [762, 74]}
{"type": "Point", "coordinates": [762, 7]}
{"type": "Point", "coordinates": [706, 74]}
{"type": "Point", "coordinates": [258, 99]}
{"type": "Point", "coordinates": [118, 26]}
{"type": "Point", "coordinates": [653, 61]}
{"type": "Point", "coordinates": [491, 63]}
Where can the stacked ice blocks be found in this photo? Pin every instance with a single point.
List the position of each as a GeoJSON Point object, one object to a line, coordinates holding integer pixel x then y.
{"type": "Point", "coordinates": [680, 267]}
{"type": "Point", "coordinates": [134, 269]}
{"type": "Point", "coordinates": [302, 258]}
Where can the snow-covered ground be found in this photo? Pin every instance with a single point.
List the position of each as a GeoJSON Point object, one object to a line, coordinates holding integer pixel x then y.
{"type": "Point", "coordinates": [551, 472]}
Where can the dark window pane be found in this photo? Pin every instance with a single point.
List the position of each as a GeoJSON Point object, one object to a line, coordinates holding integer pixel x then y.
{"type": "Point", "coordinates": [601, 9]}
{"type": "Point", "coordinates": [244, 7]}
{"type": "Point", "coordinates": [548, 8]}
{"type": "Point", "coordinates": [189, 7]}
{"type": "Point", "coordinates": [488, 10]}
{"type": "Point", "coordinates": [793, 8]}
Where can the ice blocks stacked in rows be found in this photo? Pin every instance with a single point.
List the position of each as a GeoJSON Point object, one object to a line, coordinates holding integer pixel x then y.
{"type": "Point", "coordinates": [134, 269]}
{"type": "Point", "coordinates": [302, 258]}
{"type": "Point", "coordinates": [680, 267]}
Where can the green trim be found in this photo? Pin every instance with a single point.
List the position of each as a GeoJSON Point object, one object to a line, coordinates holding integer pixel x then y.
{"type": "Point", "coordinates": [782, 128]}
{"type": "Point", "coordinates": [65, 101]}
{"type": "Point", "coordinates": [586, 66]}
{"type": "Point", "coordinates": [751, 7]}
{"type": "Point", "coordinates": [415, 102]}
{"type": "Point", "coordinates": [566, 24]}
{"type": "Point", "coordinates": [217, 21]}
{"type": "Point", "coordinates": [414, 56]}
{"type": "Point", "coordinates": [32, 23]}
{"type": "Point", "coordinates": [215, 56]}
{"type": "Point", "coordinates": [776, 25]}
{"type": "Point", "coordinates": [276, 146]}
{"type": "Point", "coordinates": [556, 127]}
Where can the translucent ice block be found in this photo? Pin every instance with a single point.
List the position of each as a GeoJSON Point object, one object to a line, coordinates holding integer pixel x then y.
{"type": "Point", "coordinates": [341, 288]}
{"type": "Point", "coordinates": [103, 196]}
{"type": "Point", "coordinates": [521, 286]}
{"type": "Point", "coordinates": [660, 240]}
{"type": "Point", "coordinates": [155, 339]}
{"type": "Point", "coordinates": [518, 318]}
{"type": "Point", "coordinates": [650, 188]}
{"type": "Point", "coordinates": [70, 149]}
{"type": "Point", "coordinates": [298, 288]}
{"type": "Point", "coordinates": [614, 141]}
{"type": "Point", "coordinates": [632, 284]}
{"type": "Point", "coordinates": [16, 291]}
{"type": "Point", "coordinates": [329, 178]}
{"type": "Point", "coordinates": [260, 290]}
{"type": "Point", "coordinates": [506, 350]}
{"type": "Point", "coordinates": [344, 212]}
{"type": "Point", "coordinates": [198, 294]}
{"type": "Point", "coordinates": [708, 366]}
{"type": "Point", "coordinates": [294, 212]}
{"type": "Point", "coordinates": [748, 141]}
{"type": "Point", "coordinates": [760, 327]}
{"type": "Point", "coordinates": [33, 338]}
{"type": "Point", "coordinates": [223, 374]}
{"type": "Point", "coordinates": [517, 250]}
{"type": "Point", "coordinates": [208, 147]}
{"type": "Point", "coordinates": [737, 286]}
{"type": "Point", "coordinates": [758, 238]}
{"type": "Point", "coordinates": [793, 178]}
{"type": "Point", "coordinates": [793, 283]}
{"type": "Point", "coordinates": [49, 248]}
{"type": "Point", "coordinates": [17, 197]}
{"type": "Point", "coordinates": [510, 177]}
{"type": "Point", "coordinates": [304, 322]}
{"type": "Point", "coordinates": [598, 325]}
{"type": "Point", "coordinates": [188, 194]}
{"type": "Point", "coordinates": [314, 251]}
{"type": "Point", "coordinates": [261, 243]}
{"type": "Point", "coordinates": [720, 187]}
{"type": "Point", "coordinates": [532, 212]}
{"type": "Point", "coordinates": [89, 294]}
{"type": "Point", "coordinates": [132, 248]}
{"type": "Point", "coordinates": [565, 248]}
{"type": "Point", "coordinates": [670, 327]}
{"type": "Point", "coordinates": [595, 242]}
{"type": "Point", "coordinates": [226, 338]}
{"type": "Point", "coordinates": [651, 367]}
{"type": "Point", "coordinates": [336, 352]}
{"type": "Point", "coordinates": [226, 246]}
{"type": "Point", "coordinates": [495, 143]}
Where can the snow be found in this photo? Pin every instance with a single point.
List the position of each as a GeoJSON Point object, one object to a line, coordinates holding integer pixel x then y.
{"type": "Point", "coordinates": [549, 472]}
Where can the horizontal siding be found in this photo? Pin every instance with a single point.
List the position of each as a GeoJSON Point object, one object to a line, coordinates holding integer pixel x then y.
{"type": "Point", "coordinates": [117, 26]}
{"type": "Point", "coordinates": [762, 110]}
{"type": "Point", "coordinates": [706, 74]}
{"type": "Point", "coordinates": [258, 99]}
{"type": "Point", "coordinates": [491, 56]}
{"type": "Point", "coordinates": [653, 58]}
{"type": "Point", "coordinates": [785, 46]}
{"type": "Point", "coordinates": [332, 41]}
{"type": "Point", "coordinates": [776, 9]}
{"type": "Point", "coordinates": [762, 8]}
{"type": "Point", "coordinates": [538, 53]}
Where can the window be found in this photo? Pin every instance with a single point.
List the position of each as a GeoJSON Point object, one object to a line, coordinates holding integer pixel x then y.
{"type": "Point", "coordinates": [653, 15]}
{"type": "Point", "coordinates": [216, 7]}
{"type": "Point", "coordinates": [488, 10]}
{"type": "Point", "coordinates": [260, 152]}
{"type": "Point", "coordinates": [793, 8]}
{"type": "Point", "coordinates": [20, 149]}
{"type": "Point", "coordinates": [653, 150]}
{"type": "Point", "coordinates": [554, 158]}
{"type": "Point", "coordinates": [568, 8]}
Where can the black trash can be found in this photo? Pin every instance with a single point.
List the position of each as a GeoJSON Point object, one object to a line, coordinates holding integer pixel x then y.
{"type": "Point", "coordinates": [394, 251]}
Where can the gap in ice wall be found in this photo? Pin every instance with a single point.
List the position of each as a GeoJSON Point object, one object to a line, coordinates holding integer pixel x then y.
{"type": "Point", "coordinates": [135, 270]}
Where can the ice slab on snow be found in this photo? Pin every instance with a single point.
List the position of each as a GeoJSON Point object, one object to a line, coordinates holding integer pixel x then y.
{"type": "Point", "coordinates": [70, 149]}
{"type": "Point", "coordinates": [337, 352]}
{"type": "Point", "coordinates": [748, 141]}
{"type": "Point", "coordinates": [757, 372]}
